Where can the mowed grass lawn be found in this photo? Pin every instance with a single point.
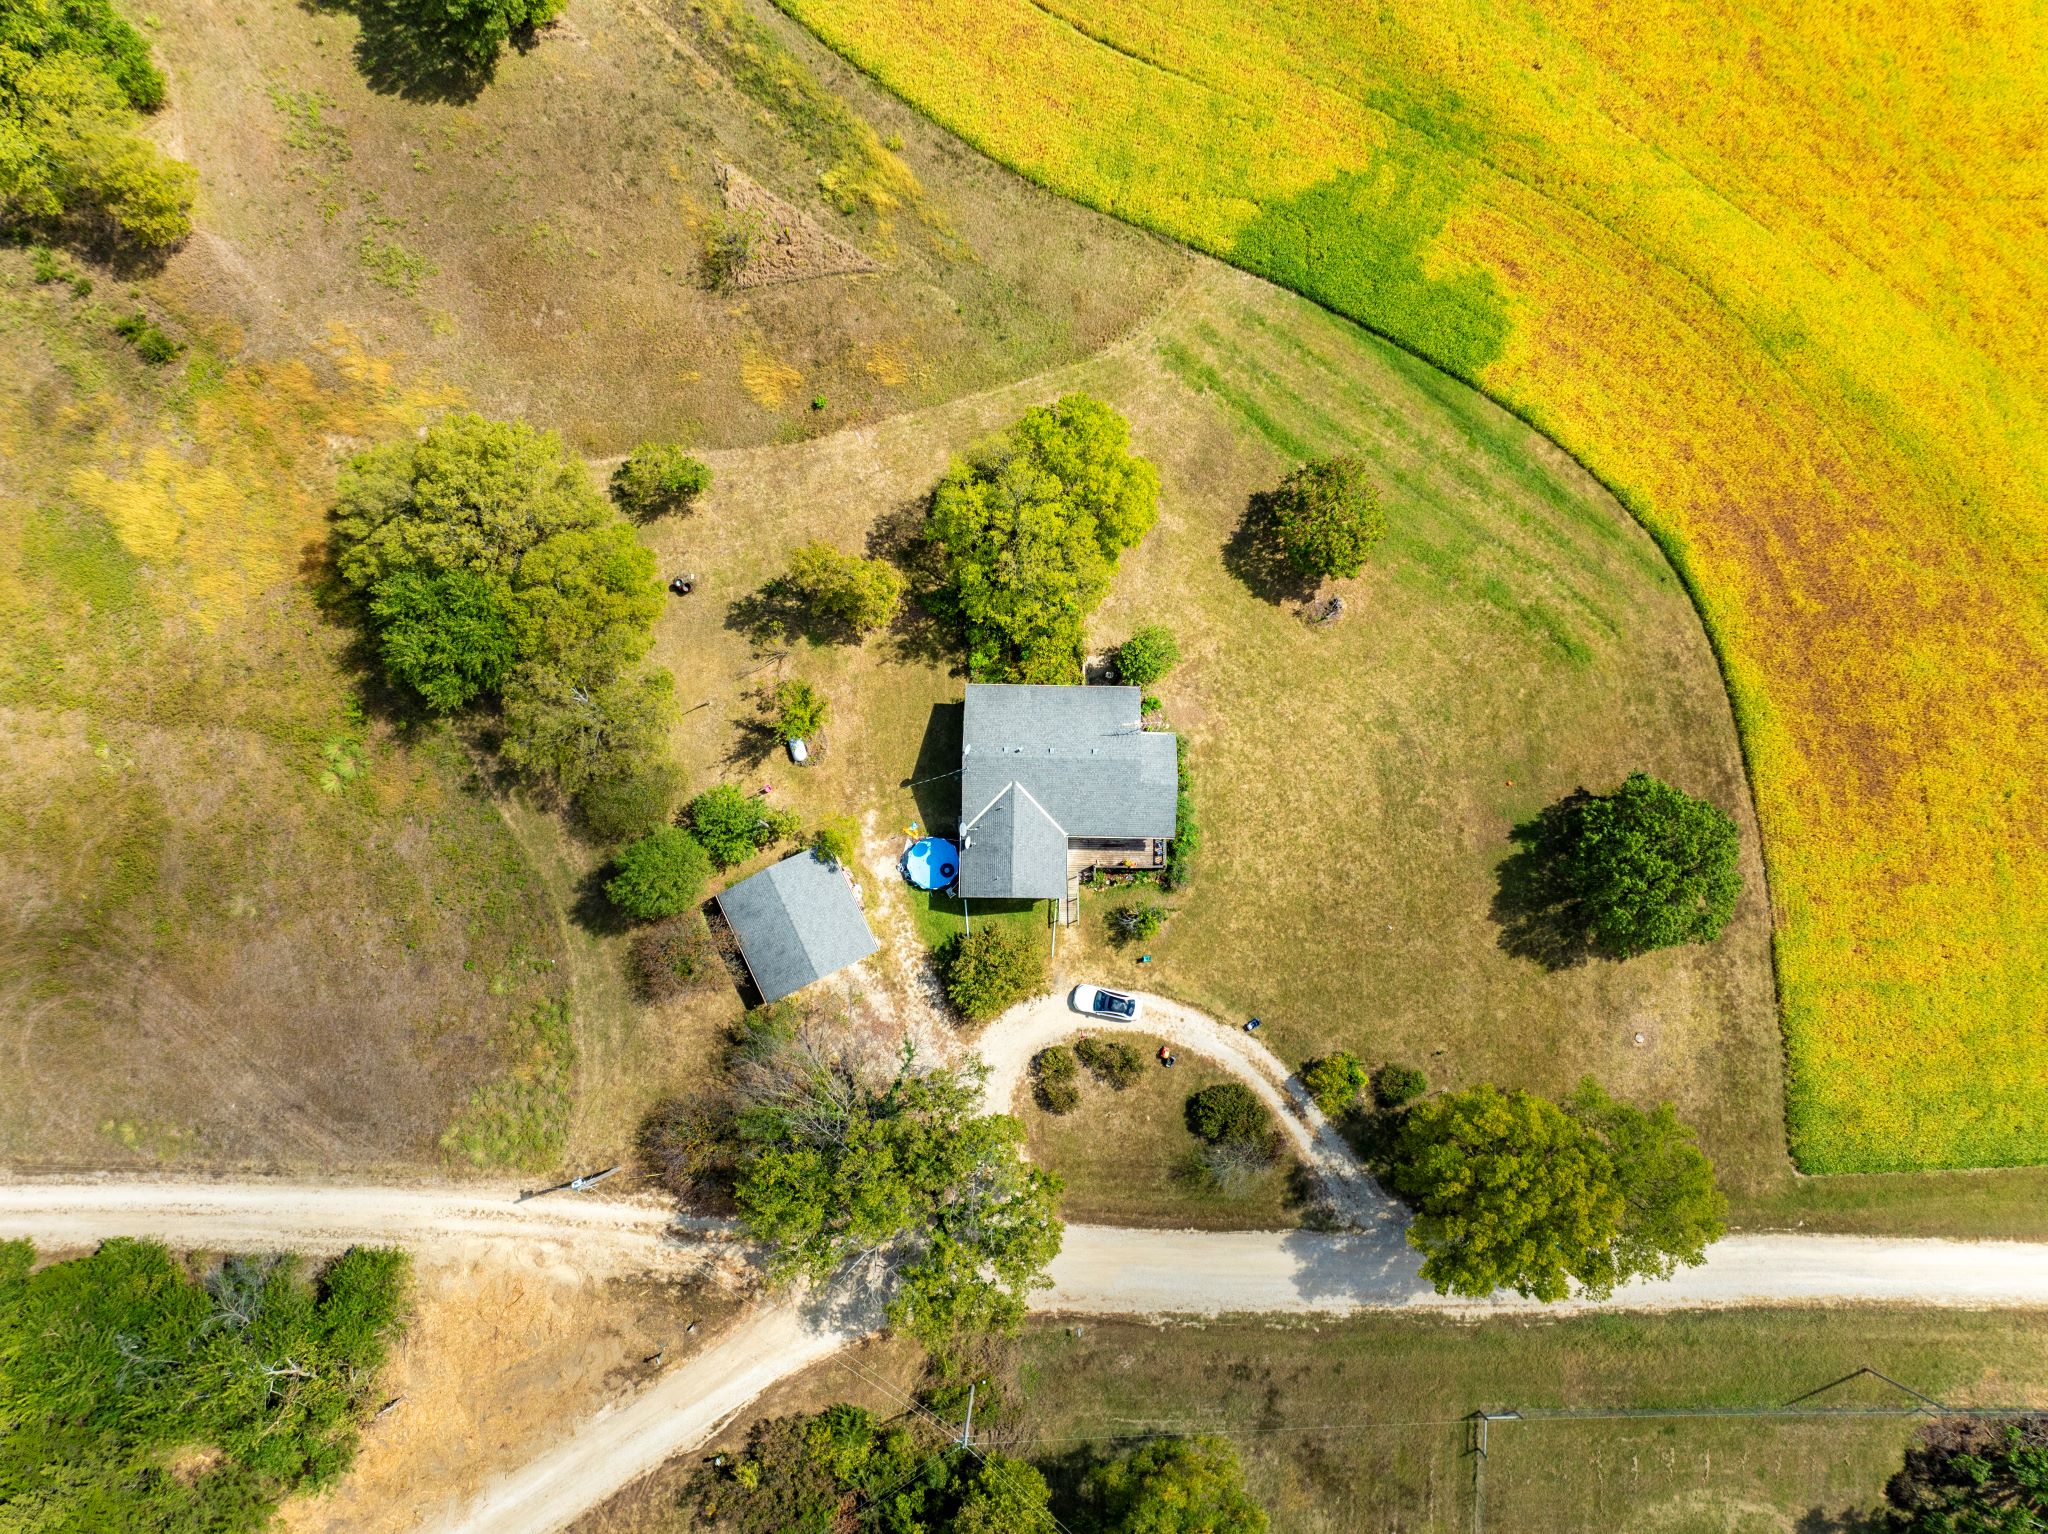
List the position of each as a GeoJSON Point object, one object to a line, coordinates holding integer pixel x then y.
{"type": "Point", "coordinates": [1517, 636]}
{"type": "Point", "coordinates": [1358, 1424]}
{"type": "Point", "coordinates": [1768, 276]}
{"type": "Point", "coordinates": [1124, 1154]}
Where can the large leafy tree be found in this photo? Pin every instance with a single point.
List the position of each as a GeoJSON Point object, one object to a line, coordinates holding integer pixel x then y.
{"type": "Point", "coordinates": [1326, 517]}
{"type": "Point", "coordinates": [659, 875]}
{"type": "Point", "coordinates": [1651, 867]}
{"type": "Point", "coordinates": [1512, 1191]}
{"type": "Point", "coordinates": [1974, 1477]}
{"type": "Point", "coordinates": [463, 35]}
{"type": "Point", "coordinates": [844, 1157]}
{"type": "Point", "coordinates": [1028, 538]}
{"type": "Point", "coordinates": [74, 78]}
{"type": "Point", "coordinates": [1174, 1486]}
{"type": "Point", "coordinates": [491, 565]}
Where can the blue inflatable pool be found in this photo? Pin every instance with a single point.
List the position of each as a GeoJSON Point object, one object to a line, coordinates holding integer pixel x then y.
{"type": "Point", "coordinates": [932, 863]}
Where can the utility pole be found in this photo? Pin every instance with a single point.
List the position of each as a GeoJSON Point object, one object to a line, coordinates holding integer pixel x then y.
{"type": "Point", "coordinates": [967, 1432]}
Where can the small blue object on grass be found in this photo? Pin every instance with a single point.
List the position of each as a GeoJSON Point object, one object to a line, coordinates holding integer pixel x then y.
{"type": "Point", "coordinates": [1144, 958]}
{"type": "Point", "coordinates": [932, 863]}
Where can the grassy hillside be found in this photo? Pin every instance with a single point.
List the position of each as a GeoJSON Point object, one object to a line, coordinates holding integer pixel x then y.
{"type": "Point", "coordinates": [1773, 279]}
{"type": "Point", "coordinates": [244, 920]}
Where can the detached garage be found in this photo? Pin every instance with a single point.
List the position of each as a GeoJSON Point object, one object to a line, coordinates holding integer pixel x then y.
{"type": "Point", "coordinates": [796, 922]}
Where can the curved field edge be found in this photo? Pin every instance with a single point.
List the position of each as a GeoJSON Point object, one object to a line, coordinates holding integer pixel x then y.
{"type": "Point", "coordinates": [1800, 386]}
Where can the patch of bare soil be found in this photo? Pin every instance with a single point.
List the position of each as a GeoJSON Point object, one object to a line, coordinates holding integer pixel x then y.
{"type": "Point", "coordinates": [501, 1359]}
{"type": "Point", "coordinates": [786, 244]}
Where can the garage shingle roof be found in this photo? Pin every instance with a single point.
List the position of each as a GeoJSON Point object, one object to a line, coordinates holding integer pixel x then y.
{"type": "Point", "coordinates": [796, 921]}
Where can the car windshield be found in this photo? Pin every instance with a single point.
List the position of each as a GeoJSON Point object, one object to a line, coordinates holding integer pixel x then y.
{"type": "Point", "coordinates": [1109, 1001]}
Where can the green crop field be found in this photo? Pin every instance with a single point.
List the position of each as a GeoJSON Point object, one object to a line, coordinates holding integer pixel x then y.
{"type": "Point", "coordinates": [1768, 276]}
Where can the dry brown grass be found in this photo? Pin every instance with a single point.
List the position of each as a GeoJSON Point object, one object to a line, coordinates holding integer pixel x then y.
{"type": "Point", "coordinates": [1123, 1154]}
{"type": "Point", "coordinates": [539, 246]}
{"type": "Point", "coordinates": [498, 1360]}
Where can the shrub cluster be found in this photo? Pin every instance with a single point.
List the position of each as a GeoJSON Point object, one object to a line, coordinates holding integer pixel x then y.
{"type": "Point", "coordinates": [658, 479]}
{"type": "Point", "coordinates": [1053, 1080]}
{"type": "Point", "coordinates": [732, 826]}
{"type": "Point", "coordinates": [1230, 1110]}
{"type": "Point", "coordinates": [151, 342]}
{"type": "Point", "coordinates": [837, 840]}
{"type": "Point", "coordinates": [1395, 1086]}
{"type": "Point", "coordinates": [798, 709]}
{"type": "Point", "coordinates": [672, 956]}
{"type": "Point", "coordinates": [1112, 1061]}
{"type": "Point", "coordinates": [856, 594]}
{"type": "Point", "coordinates": [991, 969]}
{"type": "Point", "coordinates": [1026, 540]}
{"type": "Point", "coordinates": [1187, 834]}
{"type": "Point", "coordinates": [661, 874]}
{"type": "Point", "coordinates": [1335, 1081]}
{"type": "Point", "coordinates": [1136, 923]}
{"type": "Point", "coordinates": [1146, 656]}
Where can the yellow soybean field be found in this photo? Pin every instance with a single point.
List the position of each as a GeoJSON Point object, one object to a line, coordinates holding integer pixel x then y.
{"type": "Point", "coordinates": [1776, 273]}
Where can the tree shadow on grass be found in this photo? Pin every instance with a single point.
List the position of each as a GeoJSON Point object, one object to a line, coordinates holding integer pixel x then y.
{"type": "Point", "coordinates": [399, 54]}
{"type": "Point", "coordinates": [1252, 554]}
{"type": "Point", "coordinates": [592, 909]}
{"type": "Point", "coordinates": [1845, 1520]}
{"type": "Point", "coordinates": [1539, 916]}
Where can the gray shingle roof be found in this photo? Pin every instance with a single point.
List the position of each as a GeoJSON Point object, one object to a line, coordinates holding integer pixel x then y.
{"type": "Point", "coordinates": [1086, 763]}
{"type": "Point", "coordinates": [796, 921]}
{"type": "Point", "coordinates": [1015, 851]}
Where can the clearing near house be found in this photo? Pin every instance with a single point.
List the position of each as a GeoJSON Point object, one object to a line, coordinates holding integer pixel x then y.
{"type": "Point", "coordinates": [1768, 276]}
{"type": "Point", "coordinates": [1515, 637]}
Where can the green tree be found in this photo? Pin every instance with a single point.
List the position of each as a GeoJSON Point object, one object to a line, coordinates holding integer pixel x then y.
{"type": "Point", "coordinates": [448, 636]}
{"type": "Point", "coordinates": [857, 594]}
{"type": "Point", "coordinates": [580, 737]}
{"type": "Point", "coordinates": [1028, 539]}
{"type": "Point", "coordinates": [799, 709]}
{"type": "Point", "coordinates": [843, 1157]}
{"type": "Point", "coordinates": [1671, 1209]}
{"type": "Point", "coordinates": [1335, 1080]}
{"type": "Point", "coordinates": [1146, 656]}
{"type": "Point", "coordinates": [114, 1363]}
{"type": "Point", "coordinates": [1229, 1110]}
{"type": "Point", "coordinates": [1004, 1496]}
{"type": "Point", "coordinates": [1509, 1191]}
{"type": "Point", "coordinates": [990, 969]}
{"type": "Point", "coordinates": [659, 875]}
{"type": "Point", "coordinates": [74, 78]}
{"type": "Point", "coordinates": [1974, 1477]}
{"type": "Point", "coordinates": [1174, 1486]}
{"type": "Point", "coordinates": [1326, 517]}
{"type": "Point", "coordinates": [734, 826]}
{"type": "Point", "coordinates": [658, 479]}
{"type": "Point", "coordinates": [1651, 867]}
{"type": "Point", "coordinates": [1136, 923]}
{"type": "Point", "coordinates": [588, 593]}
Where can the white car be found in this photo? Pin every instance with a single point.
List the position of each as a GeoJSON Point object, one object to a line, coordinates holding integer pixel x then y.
{"type": "Point", "coordinates": [1097, 1002]}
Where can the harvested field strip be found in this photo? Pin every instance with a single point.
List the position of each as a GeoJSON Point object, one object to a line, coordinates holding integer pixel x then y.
{"type": "Point", "coordinates": [1769, 277]}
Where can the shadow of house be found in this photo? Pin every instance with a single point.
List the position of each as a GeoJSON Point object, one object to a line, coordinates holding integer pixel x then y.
{"type": "Point", "coordinates": [1252, 555]}
{"type": "Point", "coordinates": [934, 780]}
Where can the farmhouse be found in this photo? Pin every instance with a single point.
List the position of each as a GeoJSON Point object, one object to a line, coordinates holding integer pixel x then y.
{"type": "Point", "coordinates": [1056, 780]}
{"type": "Point", "coordinates": [796, 922]}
